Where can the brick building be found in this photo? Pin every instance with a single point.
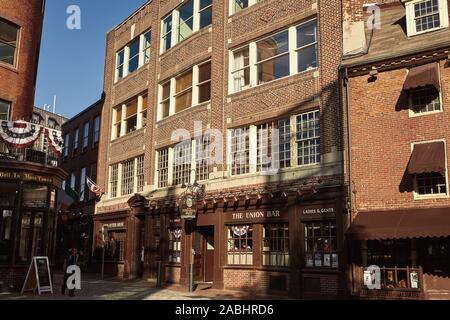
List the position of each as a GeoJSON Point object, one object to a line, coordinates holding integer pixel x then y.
{"type": "Point", "coordinates": [396, 109]}
{"type": "Point", "coordinates": [228, 73]}
{"type": "Point", "coordinates": [29, 179]}
{"type": "Point", "coordinates": [81, 136]}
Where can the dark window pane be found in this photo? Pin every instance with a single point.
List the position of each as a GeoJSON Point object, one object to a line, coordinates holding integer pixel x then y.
{"type": "Point", "coordinates": [307, 58]}
{"type": "Point", "coordinates": [273, 69]}
{"type": "Point", "coordinates": [205, 17]}
{"type": "Point", "coordinates": [204, 93]}
{"type": "Point", "coordinates": [204, 72]}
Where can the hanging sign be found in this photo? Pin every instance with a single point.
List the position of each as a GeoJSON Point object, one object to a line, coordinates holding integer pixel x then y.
{"type": "Point", "coordinates": [38, 277]}
{"type": "Point", "coordinates": [188, 207]}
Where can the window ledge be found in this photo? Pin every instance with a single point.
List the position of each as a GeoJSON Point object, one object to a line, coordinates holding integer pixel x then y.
{"type": "Point", "coordinates": [9, 67]}
{"type": "Point", "coordinates": [412, 114]}
{"type": "Point", "coordinates": [131, 75]}
{"type": "Point", "coordinates": [412, 35]}
{"type": "Point", "coordinates": [191, 37]}
{"type": "Point", "coordinates": [172, 116]}
{"type": "Point", "coordinates": [430, 197]}
{"type": "Point", "coordinates": [128, 135]}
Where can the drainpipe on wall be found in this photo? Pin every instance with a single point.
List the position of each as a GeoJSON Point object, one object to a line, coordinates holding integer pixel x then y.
{"type": "Point", "coordinates": [349, 143]}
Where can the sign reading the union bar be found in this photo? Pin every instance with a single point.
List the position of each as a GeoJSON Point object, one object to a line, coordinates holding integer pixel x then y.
{"type": "Point", "coordinates": [25, 177]}
{"type": "Point", "coordinates": [256, 215]}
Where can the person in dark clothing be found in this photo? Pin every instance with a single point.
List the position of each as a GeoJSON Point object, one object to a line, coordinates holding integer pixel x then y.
{"type": "Point", "coordinates": [72, 259]}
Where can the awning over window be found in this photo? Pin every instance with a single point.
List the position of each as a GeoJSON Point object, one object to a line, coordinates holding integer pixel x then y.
{"type": "Point", "coordinates": [421, 76]}
{"type": "Point", "coordinates": [414, 223]}
{"type": "Point", "coordinates": [427, 157]}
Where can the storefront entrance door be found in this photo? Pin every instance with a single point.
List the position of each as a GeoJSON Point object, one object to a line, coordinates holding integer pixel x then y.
{"type": "Point", "coordinates": [203, 246]}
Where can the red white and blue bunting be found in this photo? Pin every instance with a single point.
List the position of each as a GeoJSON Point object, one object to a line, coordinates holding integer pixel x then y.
{"type": "Point", "coordinates": [240, 230]}
{"type": "Point", "coordinates": [55, 140]}
{"type": "Point", "coordinates": [19, 134]}
{"type": "Point", "coordinates": [177, 233]}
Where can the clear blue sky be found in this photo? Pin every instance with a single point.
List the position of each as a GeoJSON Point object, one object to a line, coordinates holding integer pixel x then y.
{"type": "Point", "coordinates": [72, 62]}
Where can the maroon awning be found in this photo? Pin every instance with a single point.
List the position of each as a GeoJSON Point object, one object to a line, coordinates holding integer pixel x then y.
{"type": "Point", "coordinates": [412, 223]}
{"type": "Point", "coordinates": [427, 157]}
{"type": "Point", "coordinates": [421, 76]}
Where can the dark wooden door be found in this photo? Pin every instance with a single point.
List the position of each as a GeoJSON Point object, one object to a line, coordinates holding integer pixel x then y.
{"type": "Point", "coordinates": [198, 247]}
{"type": "Point", "coordinates": [209, 256]}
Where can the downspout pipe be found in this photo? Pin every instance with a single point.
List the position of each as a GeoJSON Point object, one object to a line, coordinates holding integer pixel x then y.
{"type": "Point", "coordinates": [349, 142]}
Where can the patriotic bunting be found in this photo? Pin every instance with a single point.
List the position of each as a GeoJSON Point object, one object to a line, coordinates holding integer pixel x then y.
{"type": "Point", "coordinates": [240, 230]}
{"type": "Point", "coordinates": [19, 134]}
{"type": "Point", "coordinates": [55, 140]}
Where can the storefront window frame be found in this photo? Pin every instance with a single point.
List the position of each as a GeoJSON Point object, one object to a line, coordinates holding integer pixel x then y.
{"type": "Point", "coordinates": [280, 255]}
{"type": "Point", "coordinates": [247, 256]}
{"type": "Point", "coordinates": [315, 253]}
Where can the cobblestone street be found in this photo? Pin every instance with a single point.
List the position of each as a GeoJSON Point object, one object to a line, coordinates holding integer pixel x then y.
{"type": "Point", "coordinates": [92, 288]}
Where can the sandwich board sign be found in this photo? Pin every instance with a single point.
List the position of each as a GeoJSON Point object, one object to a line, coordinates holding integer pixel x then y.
{"type": "Point", "coordinates": [38, 276]}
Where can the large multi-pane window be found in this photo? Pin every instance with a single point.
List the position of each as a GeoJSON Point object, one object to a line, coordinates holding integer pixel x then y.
{"type": "Point", "coordinates": [308, 138]}
{"type": "Point", "coordinates": [96, 129]}
{"type": "Point", "coordinates": [175, 245]}
{"type": "Point", "coordinates": [183, 93]}
{"type": "Point", "coordinates": [114, 180]}
{"type": "Point", "coordinates": [275, 249]}
{"type": "Point", "coordinates": [321, 244]}
{"type": "Point", "coordinates": [202, 154]}
{"type": "Point", "coordinates": [284, 150]}
{"type": "Point", "coordinates": [140, 173]}
{"type": "Point", "coordinates": [275, 56]}
{"type": "Point", "coordinates": [163, 168]}
{"type": "Point", "coordinates": [240, 151]}
{"type": "Point", "coordinates": [185, 20]}
{"type": "Point", "coordinates": [30, 241]}
{"type": "Point", "coordinates": [182, 163]}
{"type": "Point", "coordinates": [83, 184]}
{"type": "Point", "coordinates": [4, 109]}
{"type": "Point", "coordinates": [273, 145]}
{"type": "Point", "coordinates": [130, 116]}
{"type": "Point", "coordinates": [191, 88]}
{"type": "Point", "coordinates": [425, 100]}
{"type": "Point", "coordinates": [426, 15]}
{"type": "Point", "coordinates": [127, 177]}
{"type": "Point", "coordinates": [133, 56]}
{"type": "Point", "coordinates": [191, 16]}
{"type": "Point", "coordinates": [9, 34]}
{"type": "Point", "coordinates": [86, 135]}
{"type": "Point", "coordinates": [240, 245]}
{"type": "Point", "coordinates": [432, 183]}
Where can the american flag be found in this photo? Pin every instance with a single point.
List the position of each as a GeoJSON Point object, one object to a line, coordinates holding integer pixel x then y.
{"type": "Point", "coordinates": [93, 186]}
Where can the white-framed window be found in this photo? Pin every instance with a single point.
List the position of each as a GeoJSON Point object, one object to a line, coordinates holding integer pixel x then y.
{"type": "Point", "coordinates": [75, 140]}
{"type": "Point", "coordinates": [288, 142]}
{"type": "Point", "coordinates": [133, 56]}
{"type": "Point", "coordinates": [240, 245]}
{"type": "Point", "coordinates": [240, 151]}
{"type": "Point", "coordinates": [182, 163]}
{"type": "Point", "coordinates": [83, 184]}
{"type": "Point", "coordinates": [321, 244]}
{"type": "Point", "coordinates": [431, 184]}
{"type": "Point", "coordinates": [9, 38]}
{"type": "Point", "coordinates": [114, 180]}
{"type": "Point", "coordinates": [163, 168]}
{"type": "Point", "coordinates": [127, 177]}
{"type": "Point", "coordinates": [191, 88]}
{"type": "Point", "coordinates": [66, 145]}
{"type": "Point", "coordinates": [181, 23]}
{"type": "Point", "coordinates": [308, 138]}
{"type": "Point", "coordinates": [202, 153]}
{"type": "Point", "coordinates": [275, 249]}
{"type": "Point", "coordinates": [5, 108]}
{"type": "Point", "coordinates": [426, 15]}
{"type": "Point", "coordinates": [96, 129]}
{"type": "Point", "coordinates": [239, 5]}
{"type": "Point", "coordinates": [276, 56]}
{"type": "Point", "coordinates": [174, 245]}
{"type": "Point", "coordinates": [425, 100]}
{"type": "Point", "coordinates": [140, 173]}
{"type": "Point", "coordinates": [86, 135]}
{"type": "Point", "coordinates": [73, 180]}
{"type": "Point", "coordinates": [130, 116]}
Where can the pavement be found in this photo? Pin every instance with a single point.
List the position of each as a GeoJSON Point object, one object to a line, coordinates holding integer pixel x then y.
{"type": "Point", "coordinates": [93, 288]}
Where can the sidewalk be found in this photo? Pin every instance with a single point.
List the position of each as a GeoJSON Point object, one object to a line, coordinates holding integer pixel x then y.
{"type": "Point", "coordinates": [92, 288]}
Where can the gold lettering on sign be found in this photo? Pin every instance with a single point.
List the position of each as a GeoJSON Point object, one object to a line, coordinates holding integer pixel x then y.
{"type": "Point", "coordinates": [256, 215]}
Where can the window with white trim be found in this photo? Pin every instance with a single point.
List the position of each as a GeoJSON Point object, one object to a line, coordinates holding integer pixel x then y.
{"type": "Point", "coordinates": [431, 183]}
{"type": "Point", "coordinates": [113, 180]}
{"type": "Point", "coordinates": [130, 116]}
{"type": "Point", "coordinates": [85, 135]}
{"type": "Point", "coordinates": [83, 184]}
{"type": "Point", "coordinates": [5, 107]}
{"type": "Point", "coordinates": [308, 138]}
{"type": "Point", "coordinates": [75, 140]}
{"type": "Point", "coordinates": [279, 55]}
{"type": "Point", "coordinates": [240, 245]}
{"type": "Point", "coordinates": [127, 177]}
{"type": "Point", "coordinates": [133, 56]}
{"type": "Point", "coordinates": [163, 168]}
{"type": "Point", "coordinates": [140, 173]}
{"type": "Point", "coordinates": [182, 163]}
{"type": "Point", "coordinates": [321, 244]}
{"type": "Point", "coordinates": [191, 88]}
{"type": "Point", "coordinates": [66, 145]}
{"type": "Point", "coordinates": [240, 151]}
{"type": "Point", "coordinates": [275, 251]}
{"type": "Point", "coordinates": [202, 152]}
{"type": "Point", "coordinates": [73, 181]}
{"type": "Point", "coordinates": [181, 23]}
{"type": "Point", "coordinates": [96, 129]}
{"type": "Point", "coordinates": [425, 100]}
{"type": "Point", "coordinates": [426, 15]}
{"type": "Point", "coordinates": [9, 37]}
